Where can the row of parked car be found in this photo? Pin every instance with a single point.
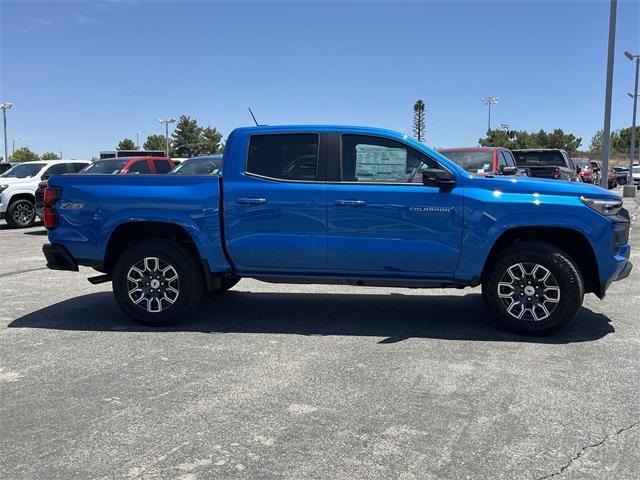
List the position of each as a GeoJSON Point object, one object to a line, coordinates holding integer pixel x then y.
{"type": "Point", "coordinates": [22, 185]}
{"type": "Point", "coordinates": [541, 163]}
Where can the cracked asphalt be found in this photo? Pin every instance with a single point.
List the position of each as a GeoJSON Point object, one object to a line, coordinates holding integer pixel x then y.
{"type": "Point", "coordinates": [309, 382]}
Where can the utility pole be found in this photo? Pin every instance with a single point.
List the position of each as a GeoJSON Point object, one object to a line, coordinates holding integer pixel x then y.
{"type": "Point", "coordinates": [166, 133]}
{"type": "Point", "coordinates": [489, 101]}
{"type": "Point", "coordinates": [630, 189]}
{"type": "Point", "coordinates": [5, 106]}
{"type": "Point", "coordinates": [604, 180]}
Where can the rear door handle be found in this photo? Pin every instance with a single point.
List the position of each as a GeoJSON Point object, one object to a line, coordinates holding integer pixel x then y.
{"type": "Point", "coordinates": [350, 203]}
{"type": "Point", "coordinates": [251, 201]}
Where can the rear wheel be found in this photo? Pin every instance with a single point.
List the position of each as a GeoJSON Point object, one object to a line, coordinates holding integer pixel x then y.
{"type": "Point", "coordinates": [533, 288]}
{"type": "Point", "coordinates": [157, 282]}
{"type": "Point", "coordinates": [21, 213]}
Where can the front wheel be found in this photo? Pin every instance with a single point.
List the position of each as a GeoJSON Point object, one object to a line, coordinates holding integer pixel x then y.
{"type": "Point", "coordinates": [21, 214]}
{"type": "Point", "coordinates": [533, 288]}
{"type": "Point", "coordinates": [157, 282]}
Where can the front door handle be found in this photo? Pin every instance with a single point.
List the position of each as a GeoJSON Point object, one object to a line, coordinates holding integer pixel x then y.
{"type": "Point", "coordinates": [350, 203]}
{"type": "Point", "coordinates": [251, 201]}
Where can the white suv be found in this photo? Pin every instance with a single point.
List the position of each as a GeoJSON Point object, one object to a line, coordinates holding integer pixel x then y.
{"type": "Point", "coordinates": [19, 184]}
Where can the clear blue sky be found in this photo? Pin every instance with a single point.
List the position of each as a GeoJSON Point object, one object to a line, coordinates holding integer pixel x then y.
{"type": "Point", "coordinates": [83, 75]}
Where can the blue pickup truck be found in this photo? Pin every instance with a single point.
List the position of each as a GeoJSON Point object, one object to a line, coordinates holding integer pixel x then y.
{"type": "Point", "coordinates": [340, 205]}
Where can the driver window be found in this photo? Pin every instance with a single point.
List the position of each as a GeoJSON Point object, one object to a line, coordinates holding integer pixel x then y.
{"type": "Point", "coordinates": [381, 160]}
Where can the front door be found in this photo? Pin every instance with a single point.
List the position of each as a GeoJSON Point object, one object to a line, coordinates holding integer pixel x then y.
{"type": "Point", "coordinates": [276, 212]}
{"type": "Point", "coordinates": [383, 220]}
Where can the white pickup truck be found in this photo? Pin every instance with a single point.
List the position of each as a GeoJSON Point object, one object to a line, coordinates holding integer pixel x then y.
{"type": "Point", "coordinates": [18, 186]}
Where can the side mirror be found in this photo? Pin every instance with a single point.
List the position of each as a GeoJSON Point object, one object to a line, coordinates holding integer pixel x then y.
{"type": "Point", "coordinates": [508, 170]}
{"type": "Point", "coordinates": [44, 177]}
{"type": "Point", "coordinates": [436, 177]}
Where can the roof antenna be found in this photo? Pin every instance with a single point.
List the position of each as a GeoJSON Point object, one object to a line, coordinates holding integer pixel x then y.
{"type": "Point", "coordinates": [253, 116]}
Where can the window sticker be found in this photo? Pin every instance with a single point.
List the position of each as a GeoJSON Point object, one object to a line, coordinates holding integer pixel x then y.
{"type": "Point", "coordinates": [376, 163]}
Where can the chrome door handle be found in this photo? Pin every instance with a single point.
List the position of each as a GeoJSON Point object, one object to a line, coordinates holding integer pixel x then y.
{"type": "Point", "coordinates": [350, 203]}
{"type": "Point", "coordinates": [251, 201]}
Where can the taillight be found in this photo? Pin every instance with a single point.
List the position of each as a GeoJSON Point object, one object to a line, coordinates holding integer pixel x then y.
{"type": "Point", "coordinates": [51, 194]}
{"type": "Point", "coordinates": [556, 173]}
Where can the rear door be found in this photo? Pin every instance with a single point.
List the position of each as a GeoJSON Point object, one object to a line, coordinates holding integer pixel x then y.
{"type": "Point", "coordinates": [382, 220]}
{"type": "Point", "coordinates": [275, 208]}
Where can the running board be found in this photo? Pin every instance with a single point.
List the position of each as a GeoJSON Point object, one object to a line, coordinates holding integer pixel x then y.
{"type": "Point", "coordinates": [100, 279]}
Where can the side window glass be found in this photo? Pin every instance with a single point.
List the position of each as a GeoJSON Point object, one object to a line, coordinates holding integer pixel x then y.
{"type": "Point", "coordinates": [284, 156]}
{"type": "Point", "coordinates": [76, 167]}
{"type": "Point", "coordinates": [141, 167]}
{"type": "Point", "coordinates": [381, 160]}
{"type": "Point", "coordinates": [502, 159]}
{"type": "Point", "coordinates": [57, 169]}
{"type": "Point", "coordinates": [162, 166]}
{"type": "Point", "coordinates": [511, 161]}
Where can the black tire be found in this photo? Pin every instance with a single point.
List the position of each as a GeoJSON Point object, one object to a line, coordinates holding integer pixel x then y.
{"type": "Point", "coordinates": [21, 213]}
{"type": "Point", "coordinates": [171, 307]}
{"type": "Point", "coordinates": [542, 312]}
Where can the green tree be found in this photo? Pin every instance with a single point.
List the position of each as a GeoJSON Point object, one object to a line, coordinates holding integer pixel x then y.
{"type": "Point", "coordinates": [126, 144]}
{"type": "Point", "coordinates": [621, 142]}
{"type": "Point", "coordinates": [597, 141]}
{"type": "Point", "coordinates": [24, 155]}
{"type": "Point", "coordinates": [211, 141]}
{"type": "Point", "coordinates": [186, 140]}
{"type": "Point", "coordinates": [523, 139]}
{"type": "Point", "coordinates": [49, 156]}
{"type": "Point", "coordinates": [419, 118]}
{"type": "Point", "coordinates": [155, 142]}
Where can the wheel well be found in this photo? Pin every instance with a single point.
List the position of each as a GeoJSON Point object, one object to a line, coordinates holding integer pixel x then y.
{"type": "Point", "coordinates": [129, 234]}
{"type": "Point", "coordinates": [571, 241]}
{"type": "Point", "coordinates": [22, 196]}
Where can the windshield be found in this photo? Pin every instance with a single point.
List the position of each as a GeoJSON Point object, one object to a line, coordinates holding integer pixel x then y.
{"type": "Point", "coordinates": [105, 167]}
{"type": "Point", "coordinates": [24, 170]}
{"type": "Point", "coordinates": [199, 166]}
{"type": "Point", "coordinates": [636, 169]}
{"type": "Point", "coordinates": [475, 162]}
{"type": "Point", "coordinates": [549, 158]}
{"type": "Point", "coordinates": [583, 165]}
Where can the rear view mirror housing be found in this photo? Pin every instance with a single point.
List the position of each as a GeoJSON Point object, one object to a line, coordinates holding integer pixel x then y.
{"type": "Point", "coordinates": [508, 170]}
{"type": "Point", "coordinates": [437, 177]}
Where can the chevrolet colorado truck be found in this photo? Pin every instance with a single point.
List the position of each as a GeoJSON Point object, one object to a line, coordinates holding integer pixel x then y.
{"type": "Point", "coordinates": [340, 205]}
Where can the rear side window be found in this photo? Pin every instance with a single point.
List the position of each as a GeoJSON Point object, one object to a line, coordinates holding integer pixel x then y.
{"type": "Point", "coordinates": [162, 166]}
{"type": "Point", "coordinates": [76, 167]}
{"type": "Point", "coordinates": [57, 169]}
{"type": "Point", "coordinates": [286, 157]}
{"type": "Point", "coordinates": [140, 167]}
{"type": "Point", "coordinates": [549, 158]}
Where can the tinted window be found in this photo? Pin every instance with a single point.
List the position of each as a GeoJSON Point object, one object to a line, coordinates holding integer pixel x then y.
{"type": "Point", "coordinates": [76, 167]}
{"type": "Point", "coordinates": [162, 166]}
{"type": "Point", "coordinates": [197, 166]}
{"type": "Point", "coordinates": [549, 158]}
{"type": "Point", "coordinates": [510, 160]}
{"type": "Point", "coordinates": [105, 167]}
{"type": "Point", "coordinates": [474, 162]}
{"type": "Point", "coordinates": [58, 169]}
{"type": "Point", "coordinates": [502, 159]}
{"type": "Point", "coordinates": [289, 157]}
{"type": "Point", "coordinates": [381, 160]}
{"type": "Point", "coordinates": [139, 167]}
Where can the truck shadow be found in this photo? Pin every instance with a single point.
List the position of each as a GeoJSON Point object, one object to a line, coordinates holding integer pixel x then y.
{"type": "Point", "coordinates": [393, 317]}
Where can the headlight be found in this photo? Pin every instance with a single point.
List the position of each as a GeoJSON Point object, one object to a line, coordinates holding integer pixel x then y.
{"type": "Point", "coordinates": [605, 206]}
{"type": "Point", "coordinates": [3, 188]}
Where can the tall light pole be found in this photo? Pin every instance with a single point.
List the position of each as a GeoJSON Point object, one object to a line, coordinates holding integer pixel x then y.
{"type": "Point", "coordinates": [5, 106]}
{"type": "Point", "coordinates": [166, 132]}
{"type": "Point", "coordinates": [604, 180]}
{"type": "Point", "coordinates": [489, 101]}
{"type": "Point", "coordinates": [630, 189]}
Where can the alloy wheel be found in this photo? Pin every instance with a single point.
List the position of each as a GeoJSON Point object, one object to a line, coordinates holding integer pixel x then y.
{"type": "Point", "coordinates": [528, 291]}
{"type": "Point", "coordinates": [23, 213]}
{"type": "Point", "coordinates": [153, 284]}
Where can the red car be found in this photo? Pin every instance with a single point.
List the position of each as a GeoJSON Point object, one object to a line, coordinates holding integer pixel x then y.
{"type": "Point", "coordinates": [483, 160]}
{"type": "Point", "coordinates": [130, 165]}
{"type": "Point", "coordinates": [585, 170]}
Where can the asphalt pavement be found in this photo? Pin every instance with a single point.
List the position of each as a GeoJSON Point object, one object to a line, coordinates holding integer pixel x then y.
{"type": "Point", "coordinates": [309, 382]}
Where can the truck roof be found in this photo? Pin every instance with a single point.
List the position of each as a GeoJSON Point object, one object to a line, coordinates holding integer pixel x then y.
{"type": "Point", "coordinates": [315, 128]}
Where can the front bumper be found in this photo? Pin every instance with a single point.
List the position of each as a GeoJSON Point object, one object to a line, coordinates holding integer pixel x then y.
{"type": "Point", "coordinates": [58, 258]}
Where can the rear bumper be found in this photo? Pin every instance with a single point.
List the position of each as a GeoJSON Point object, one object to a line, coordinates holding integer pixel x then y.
{"type": "Point", "coordinates": [58, 258]}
